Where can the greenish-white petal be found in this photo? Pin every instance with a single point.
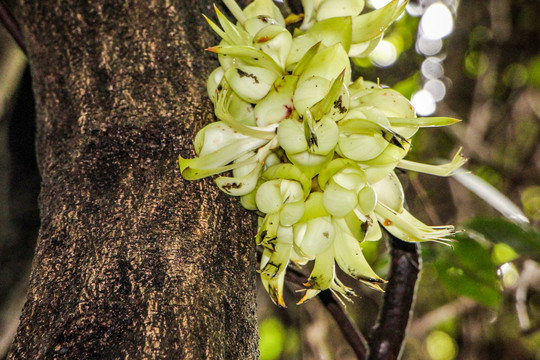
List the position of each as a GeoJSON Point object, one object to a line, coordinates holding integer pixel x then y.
{"type": "Point", "coordinates": [310, 164]}
{"type": "Point", "coordinates": [335, 8]}
{"type": "Point", "coordinates": [447, 169]}
{"type": "Point", "coordinates": [310, 12]}
{"type": "Point", "coordinates": [254, 24]}
{"type": "Point", "coordinates": [335, 103]}
{"type": "Point", "coordinates": [349, 256]}
{"type": "Point", "coordinates": [300, 49]}
{"type": "Point", "coordinates": [314, 207]}
{"type": "Point", "coordinates": [390, 192]}
{"type": "Point", "coordinates": [267, 233]}
{"type": "Point", "coordinates": [251, 83]}
{"type": "Point", "coordinates": [314, 236]}
{"type": "Point", "coordinates": [278, 104]}
{"type": "Point", "coordinates": [214, 80]}
{"type": "Point", "coordinates": [245, 55]}
{"type": "Point", "coordinates": [291, 213]}
{"type": "Point", "coordinates": [326, 135]}
{"type": "Point", "coordinates": [375, 173]}
{"type": "Point", "coordinates": [367, 199]}
{"type": "Point", "coordinates": [235, 35]}
{"type": "Point", "coordinates": [268, 197]}
{"type": "Point", "coordinates": [291, 136]}
{"type": "Point", "coordinates": [289, 172]}
{"type": "Point", "coordinates": [434, 121]}
{"type": "Point", "coordinates": [364, 49]}
{"type": "Point", "coordinates": [371, 25]}
{"type": "Point", "coordinates": [332, 31]}
{"type": "Point", "coordinates": [408, 228]}
{"type": "Point", "coordinates": [274, 40]}
{"type": "Point", "coordinates": [309, 92]}
{"type": "Point", "coordinates": [272, 159]}
{"type": "Point", "coordinates": [277, 263]}
{"type": "Point", "coordinates": [328, 63]}
{"type": "Point", "coordinates": [334, 167]}
{"type": "Point", "coordinates": [392, 104]}
{"type": "Point", "coordinates": [322, 275]}
{"type": "Point", "coordinates": [265, 8]}
{"type": "Point", "coordinates": [373, 229]}
{"type": "Point", "coordinates": [351, 178]}
{"type": "Point", "coordinates": [214, 162]}
{"type": "Point", "coordinates": [303, 49]}
{"type": "Point", "coordinates": [244, 184]}
{"type": "Point", "coordinates": [249, 201]}
{"type": "Point", "coordinates": [337, 200]}
{"type": "Point", "coordinates": [390, 156]}
{"type": "Point", "coordinates": [361, 147]}
{"type": "Point", "coordinates": [291, 191]}
{"type": "Point", "coordinates": [274, 288]}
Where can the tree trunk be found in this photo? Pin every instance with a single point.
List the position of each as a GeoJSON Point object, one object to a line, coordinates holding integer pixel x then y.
{"type": "Point", "coordinates": [132, 261]}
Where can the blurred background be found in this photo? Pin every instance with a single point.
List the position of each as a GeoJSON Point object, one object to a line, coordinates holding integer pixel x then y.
{"type": "Point", "coordinates": [478, 61]}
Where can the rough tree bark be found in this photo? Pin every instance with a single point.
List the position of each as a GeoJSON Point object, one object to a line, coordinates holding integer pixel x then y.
{"type": "Point", "coordinates": [132, 261]}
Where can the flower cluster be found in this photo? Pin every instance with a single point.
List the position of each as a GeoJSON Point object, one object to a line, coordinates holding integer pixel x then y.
{"type": "Point", "coordinates": [311, 151]}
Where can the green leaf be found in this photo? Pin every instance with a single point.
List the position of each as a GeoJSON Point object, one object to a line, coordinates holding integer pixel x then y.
{"type": "Point", "coordinates": [475, 257]}
{"type": "Point", "coordinates": [470, 271]}
{"type": "Point", "coordinates": [522, 238]}
{"type": "Point", "coordinates": [459, 282]}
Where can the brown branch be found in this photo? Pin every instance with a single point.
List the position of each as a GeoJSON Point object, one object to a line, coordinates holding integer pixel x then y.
{"type": "Point", "coordinates": [387, 337]}
{"type": "Point", "coordinates": [8, 20]}
{"type": "Point", "coordinates": [348, 328]}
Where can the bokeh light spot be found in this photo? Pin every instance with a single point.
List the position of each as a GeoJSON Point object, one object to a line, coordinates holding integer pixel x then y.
{"type": "Point", "coordinates": [436, 88]}
{"type": "Point", "coordinates": [441, 346]}
{"type": "Point", "coordinates": [423, 102]}
{"type": "Point", "coordinates": [432, 68]}
{"type": "Point", "coordinates": [385, 54]}
{"type": "Point", "coordinates": [428, 46]}
{"type": "Point", "coordinates": [437, 22]}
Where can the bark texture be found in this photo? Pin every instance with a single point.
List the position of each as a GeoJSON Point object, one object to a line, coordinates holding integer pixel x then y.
{"type": "Point", "coordinates": [132, 261]}
{"type": "Point", "coordinates": [387, 337]}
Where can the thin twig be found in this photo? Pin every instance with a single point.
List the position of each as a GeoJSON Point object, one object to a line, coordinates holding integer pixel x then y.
{"type": "Point", "coordinates": [9, 22]}
{"type": "Point", "coordinates": [348, 328]}
{"type": "Point", "coordinates": [387, 337]}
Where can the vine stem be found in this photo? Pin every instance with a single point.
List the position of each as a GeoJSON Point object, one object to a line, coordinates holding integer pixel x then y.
{"type": "Point", "coordinates": [8, 20]}
{"type": "Point", "coordinates": [387, 337]}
